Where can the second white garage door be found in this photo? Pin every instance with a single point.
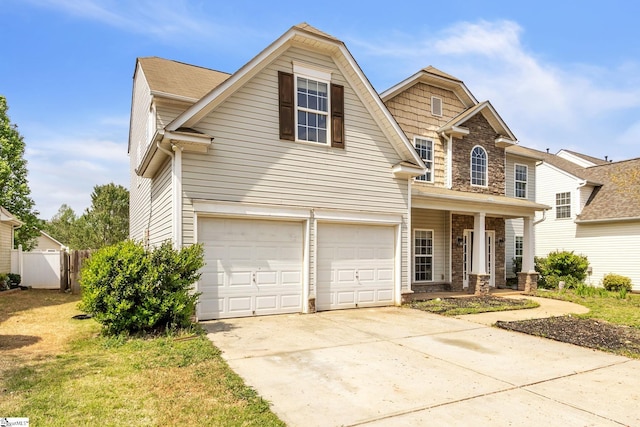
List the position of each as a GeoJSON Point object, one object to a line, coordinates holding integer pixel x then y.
{"type": "Point", "coordinates": [253, 267]}
{"type": "Point", "coordinates": [355, 266]}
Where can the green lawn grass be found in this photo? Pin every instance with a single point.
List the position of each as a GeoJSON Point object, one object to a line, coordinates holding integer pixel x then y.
{"type": "Point", "coordinates": [101, 381]}
{"type": "Point", "coordinates": [471, 305]}
{"type": "Point", "coordinates": [608, 306]}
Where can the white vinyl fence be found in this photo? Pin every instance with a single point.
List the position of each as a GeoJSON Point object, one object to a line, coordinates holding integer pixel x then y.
{"type": "Point", "coordinates": [38, 269]}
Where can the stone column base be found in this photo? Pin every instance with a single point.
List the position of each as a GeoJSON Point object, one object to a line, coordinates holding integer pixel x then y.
{"type": "Point", "coordinates": [527, 282]}
{"type": "Point", "coordinates": [479, 284]}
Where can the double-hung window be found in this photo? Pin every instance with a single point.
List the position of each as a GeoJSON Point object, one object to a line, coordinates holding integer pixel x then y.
{"type": "Point", "coordinates": [479, 166]}
{"type": "Point", "coordinates": [563, 205]}
{"type": "Point", "coordinates": [520, 185]}
{"type": "Point", "coordinates": [311, 107]}
{"type": "Point", "coordinates": [424, 148]}
{"type": "Point", "coordinates": [423, 255]}
{"type": "Point", "coordinates": [519, 249]}
{"type": "Point", "coordinates": [312, 104]}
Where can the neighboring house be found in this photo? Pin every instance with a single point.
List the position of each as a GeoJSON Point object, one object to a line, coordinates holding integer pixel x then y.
{"type": "Point", "coordinates": [596, 211]}
{"type": "Point", "coordinates": [47, 243]}
{"type": "Point", "coordinates": [8, 223]}
{"type": "Point", "coordinates": [299, 182]}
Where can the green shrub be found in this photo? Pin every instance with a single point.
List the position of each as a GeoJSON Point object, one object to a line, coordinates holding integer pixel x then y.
{"type": "Point", "coordinates": [4, 281]}
{"type": "Point", "coordinates": [561, 265]}
{"type": "Point", "coordinates": [584, 290]}
{"type": "Point", "coordinates": [616, 282]}
{"type": "Point", "coordinates": [14, 279]}
{"type": "Point", "coordinates": [130, 289]}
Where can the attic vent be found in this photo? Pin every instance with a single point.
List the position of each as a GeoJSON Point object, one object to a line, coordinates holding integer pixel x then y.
{"type": "Point", "coordinates": [436, 106]}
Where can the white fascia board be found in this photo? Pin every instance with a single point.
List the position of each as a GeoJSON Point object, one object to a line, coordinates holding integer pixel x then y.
{"type": "Point", "coordinates": [407, 171]}
{"type": "Point", "coordinates": [415, 158]}
{"type": "Point", "coordinates": [605, 220]}
{"type": "Point", "coordinates": [174, 97]}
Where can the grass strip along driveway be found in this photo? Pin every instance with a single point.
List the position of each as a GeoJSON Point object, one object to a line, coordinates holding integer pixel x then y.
{"type": "Point", "coordinates": [56, 370]}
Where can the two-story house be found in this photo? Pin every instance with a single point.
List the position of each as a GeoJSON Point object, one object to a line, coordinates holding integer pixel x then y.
{"type": "Point", "coordinates": [308, 191]}
{"type": "Point", "coordinates": [595, 211]}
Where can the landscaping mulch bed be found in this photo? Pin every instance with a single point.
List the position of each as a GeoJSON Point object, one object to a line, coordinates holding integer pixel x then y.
{"type": "Point", "coordinates": [590, 333]}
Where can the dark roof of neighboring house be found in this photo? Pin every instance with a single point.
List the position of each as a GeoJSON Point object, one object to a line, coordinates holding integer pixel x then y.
{"type": "Point", "coordinates": [619, 195]}
{"type": "Point", "coordinates": [178, 78]}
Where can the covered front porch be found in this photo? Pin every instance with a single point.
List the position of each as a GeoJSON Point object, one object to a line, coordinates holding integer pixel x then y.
{"type": "Point", "coordinates": [458, 241]}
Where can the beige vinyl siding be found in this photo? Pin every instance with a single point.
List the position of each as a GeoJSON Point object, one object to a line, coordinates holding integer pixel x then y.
{"type": "Point", "coordinates": [160, 225]}
{"type": "Point", "coordinates": [5, 248]}
{"type": "Point", "coordinates": [139, 188]}
{"type": "Point", "coordinates": [438, 221]}
{"type": "Point", "coordinates": [248, 162]}
{"type": "Point", "coordinates": [166, 111]}
{"type": "Point", "coordinates": [511, 173]}
{"type": "Point", "coordinates": [412, 111]}
{"type": "Point", "coordinates": [611, 248]}
{"type": "Point", "coordinates": [513, 228]}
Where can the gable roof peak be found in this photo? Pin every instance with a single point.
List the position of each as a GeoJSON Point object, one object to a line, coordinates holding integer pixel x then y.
{"type": "Point", "coordinates": [313, 30]}
{"type": "Point", "coordinates": [433, 70]}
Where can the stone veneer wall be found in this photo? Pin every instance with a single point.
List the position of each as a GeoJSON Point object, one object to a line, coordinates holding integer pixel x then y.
{"type": "Point", "coordinates": [482, 134]}
{"type": "Point", "coordinates": [458, 224]}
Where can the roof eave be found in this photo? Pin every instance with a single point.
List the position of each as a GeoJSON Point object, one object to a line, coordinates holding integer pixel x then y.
{"type": "Point", "coordinates": [606, 220]}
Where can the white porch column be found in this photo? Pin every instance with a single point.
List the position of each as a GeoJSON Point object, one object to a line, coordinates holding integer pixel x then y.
{"type": "Point", "coordinates": [528, 248]}
{"type": "Point", "coordinates": [479, 244]}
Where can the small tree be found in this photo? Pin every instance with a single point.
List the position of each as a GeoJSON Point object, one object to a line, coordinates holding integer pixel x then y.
{"type": "Point", "coordinates": [130, 289]}
{"type": "Point", "coordinates": [15, 195]}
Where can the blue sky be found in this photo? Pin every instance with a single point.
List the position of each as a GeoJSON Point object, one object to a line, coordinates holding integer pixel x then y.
{"type": "Point", "coordinates": [562, 74]}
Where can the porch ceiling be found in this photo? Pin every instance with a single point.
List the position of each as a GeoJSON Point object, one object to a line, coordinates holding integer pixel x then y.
{"type": "Point", "coordinates": [464, 202]}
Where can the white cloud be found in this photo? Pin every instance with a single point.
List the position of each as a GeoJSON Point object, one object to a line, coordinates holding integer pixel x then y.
{"type": "Point", "coordinates": [163, 19]}
{"type": "Point", "coordinates": [546, 104]}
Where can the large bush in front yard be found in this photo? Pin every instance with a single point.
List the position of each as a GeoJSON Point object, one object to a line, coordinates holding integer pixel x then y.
{"type": "Point", "coordinates": [130, 289]}
{"type": "Point", "coordinates": [616, 282]}
{"type": "Point", "coordinates": [561, 266]}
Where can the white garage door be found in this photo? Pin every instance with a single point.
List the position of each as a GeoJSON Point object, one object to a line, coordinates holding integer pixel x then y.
{"type": "Point", "coordinates": [355, 266]}
{"type": "Point", "coordinates": [253, 267]}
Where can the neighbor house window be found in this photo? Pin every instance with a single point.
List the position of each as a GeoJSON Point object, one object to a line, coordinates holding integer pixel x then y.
{"type": "Point", "coordinates": [424, 148]}
{"type": "Point", "coordinates": [519, 249]}
{"type": "Point", "coordinates": [311, 107]}
{"type": "Point", "coordinates": [423, 255]}
{"type": "Point", "coordinates": [479, 166]}
{"type": "Point", "coordinates": [563, 205]}
{"type": "Point", "coordinates": [521, 172]}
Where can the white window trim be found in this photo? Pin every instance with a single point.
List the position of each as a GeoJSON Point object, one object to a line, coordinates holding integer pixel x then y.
{"type": "Point", "coordinates": [431, 170]}
{"type": "Point", "coordinates": [322, 76]}
{"type": "Point", "coordinates": [486, 167]}
{"type": "Point", "coordinates": [515, 246]}
{"type": "Point", "coordinates": [556, 206]}
{"type": "Point", "coordinates": [515, 181]}
{"type": "Point", "coordinates": [415, 256]}
{"type": "Point", "coordinates": [433, 112]}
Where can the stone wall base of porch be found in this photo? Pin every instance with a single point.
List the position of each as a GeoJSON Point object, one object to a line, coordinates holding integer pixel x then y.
{"type": "Point", "coordinates": [479, 284]}
{"type": "Point", "coordinates": [527, 282]}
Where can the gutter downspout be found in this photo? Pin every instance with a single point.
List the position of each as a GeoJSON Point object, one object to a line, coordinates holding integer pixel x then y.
{"type": "Point", "coordinates": [176, 192]}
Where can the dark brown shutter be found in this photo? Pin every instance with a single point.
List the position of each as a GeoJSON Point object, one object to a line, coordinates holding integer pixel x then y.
{"type": "Point", "coordinates": [287, 107]}
{"type": "Point", "coordinates": [337, 116]}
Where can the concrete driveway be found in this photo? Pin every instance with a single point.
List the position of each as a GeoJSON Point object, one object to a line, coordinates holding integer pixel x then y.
{"type": "Point", "coordinates": [398, 366]}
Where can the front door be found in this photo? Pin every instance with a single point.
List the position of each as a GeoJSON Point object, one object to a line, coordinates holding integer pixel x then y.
{"type": "Point", "coordinates": [467, 259]}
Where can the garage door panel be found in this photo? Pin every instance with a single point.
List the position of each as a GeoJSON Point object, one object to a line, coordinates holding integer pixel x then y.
{"type": "Point", "coordinates": [356, 266]}
{"type": "Point", "coordinates": [253, 266]}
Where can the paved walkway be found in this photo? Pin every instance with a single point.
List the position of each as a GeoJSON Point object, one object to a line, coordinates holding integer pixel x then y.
{"type": "Point", "coordinates": [548, 308]}
{"type": "Point", "coordinates": [397, 366]}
